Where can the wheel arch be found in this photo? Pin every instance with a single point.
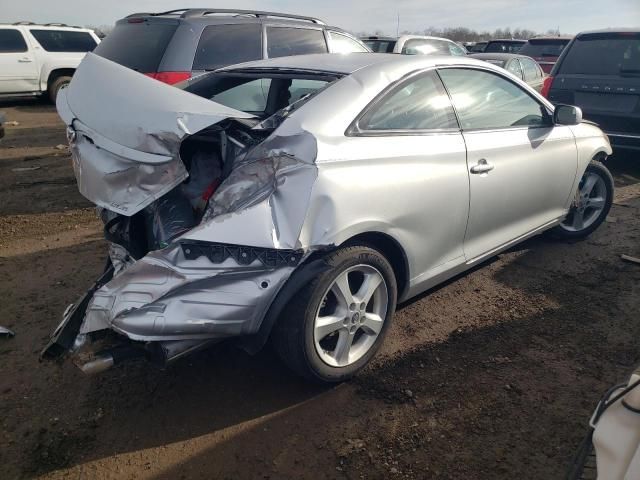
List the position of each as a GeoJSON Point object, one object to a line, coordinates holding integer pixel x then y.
{"type": "Point", "coordinates": [315, 265]}
{"type": "Point", "coordinates": [57, 73]}
{"type": "Point", "coordinates": [392, 251]}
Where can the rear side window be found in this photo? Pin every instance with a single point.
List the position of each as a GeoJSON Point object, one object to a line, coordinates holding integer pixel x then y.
{"type": "Point", "coordinates": [139, 46]}
{"type": "Point", "coordinates": [285, 41]}
{"type": "Point", "coordinates": [419, 104]}
{"type": "Point", "coordinates": [514, 67]}
{"type": "Point", "coordinates": [222, 45]}
{"type": "Point", "coordinates": [543, 48]}
{"type": "Point", "coordinates": [603, 54]}
{"type": "Point", "coordinates": [344, 44]}
{"type": "Point", "coordinates": [64, 41]}
{"type": "Point", "coordinates": [381, 46]}
{"type": "Point", "coordinates": [531, 71]}
{"type": "Point", "coordinates": [12, 41]}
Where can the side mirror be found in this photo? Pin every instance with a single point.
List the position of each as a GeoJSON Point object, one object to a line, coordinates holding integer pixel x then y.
{"type": "Point", "coordinates": [567, 115]}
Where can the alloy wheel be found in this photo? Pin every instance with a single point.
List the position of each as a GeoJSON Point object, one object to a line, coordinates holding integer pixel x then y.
{"type": "Point", "coordinates": [350, 316]}
{"type": "Point", "coordinates": [589, 203]}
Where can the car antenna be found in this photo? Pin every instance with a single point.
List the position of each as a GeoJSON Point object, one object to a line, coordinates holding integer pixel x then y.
{"type": "Point", "coordinates": [398, 25]}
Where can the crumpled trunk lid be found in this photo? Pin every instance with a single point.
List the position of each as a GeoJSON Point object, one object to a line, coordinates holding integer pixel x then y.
{"type": "Point", "coordinates": [125, 131]}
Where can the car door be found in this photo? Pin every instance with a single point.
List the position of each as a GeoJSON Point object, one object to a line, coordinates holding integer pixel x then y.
{"type": "Point", "coordinates": [18, 67]}
{"type": "Point", "coordinates": [521, 167]}
{"type": "Point", "coordinates": [412, 152]}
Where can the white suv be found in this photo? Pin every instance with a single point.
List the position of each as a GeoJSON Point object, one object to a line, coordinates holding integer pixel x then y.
{"type": "Point", "coordinates": [40, 59]}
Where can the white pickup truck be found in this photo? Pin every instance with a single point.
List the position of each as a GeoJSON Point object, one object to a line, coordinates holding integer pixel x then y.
{"type": "Point", "coordinates": [40, 59]}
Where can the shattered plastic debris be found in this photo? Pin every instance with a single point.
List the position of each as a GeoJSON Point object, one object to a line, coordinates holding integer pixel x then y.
{"type": "Point", "coordinates": [5, 332]}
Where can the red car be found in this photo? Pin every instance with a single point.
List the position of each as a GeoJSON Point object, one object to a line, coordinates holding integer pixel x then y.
{"type": "Point", "coordinates": [545, 50]}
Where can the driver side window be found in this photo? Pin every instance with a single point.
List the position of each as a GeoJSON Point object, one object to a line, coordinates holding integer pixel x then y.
{"type": "Point", "coordinates": [485, 100]}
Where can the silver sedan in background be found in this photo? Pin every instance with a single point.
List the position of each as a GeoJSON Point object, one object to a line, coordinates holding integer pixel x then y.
{"type": "Point", "coordinates": [299, 199]}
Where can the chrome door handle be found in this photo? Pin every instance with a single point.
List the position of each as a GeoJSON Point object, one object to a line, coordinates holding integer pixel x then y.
{"type": "Point", "coordinates": [25, 60]}
{"type": "Point", "coordinates": [482, 167]}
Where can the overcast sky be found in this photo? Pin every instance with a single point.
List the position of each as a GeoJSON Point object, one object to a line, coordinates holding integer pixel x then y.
{"type": "Point", "coordinates": [571, 16]}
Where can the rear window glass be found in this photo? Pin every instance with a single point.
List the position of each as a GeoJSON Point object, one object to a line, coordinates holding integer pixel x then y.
{"type": "Point", "coordinates": [222, 45]}
{"type": "Point", "coordinates": [420, 46]}
{"type": "Point", "coordinates": [254, 94]}
{"type": "Point", "coordinates": [12, 41]}
{"type": "Point", "coordinates": [381, 46]}
{"type": "Point", "coordinates": [64, 41]}
{"type": "Point", "coordinates": [543, 48]}
{"type": "Point", "coordinates": [503, 47]}
{"type": "Point", "coordinates": [603, 54]}
{"type": "Point", "coordinates": [139, 46]}
{"type": "Point", "coordinates": [285, 41]}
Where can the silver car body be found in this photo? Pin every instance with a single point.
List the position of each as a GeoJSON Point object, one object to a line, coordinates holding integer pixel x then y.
{"type": "Point", "coordinates": [312, 185]}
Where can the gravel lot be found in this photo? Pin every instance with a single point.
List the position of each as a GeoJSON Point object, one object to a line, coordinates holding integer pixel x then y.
{"type": "Point", "coordinates": [493, 375]}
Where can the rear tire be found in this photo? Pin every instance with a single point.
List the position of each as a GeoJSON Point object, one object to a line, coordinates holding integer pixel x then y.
{"type": "Point", "coordinates": [329, 337]}
{"type": "Point", "coordinates": [56, 85]}
{"type": "Point", "coordinates": [592, 205]}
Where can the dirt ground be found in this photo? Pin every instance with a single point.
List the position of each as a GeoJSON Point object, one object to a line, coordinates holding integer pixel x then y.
{"type": "Point", "coordinates": [493, 375]}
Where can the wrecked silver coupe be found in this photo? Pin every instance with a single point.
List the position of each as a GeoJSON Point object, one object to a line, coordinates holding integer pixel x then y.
{"type": "Point", "coordinates": [300, 198]}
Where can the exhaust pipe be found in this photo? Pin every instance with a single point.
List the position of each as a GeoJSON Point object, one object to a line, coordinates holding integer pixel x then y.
{"type": "Point", "coordinates": [106, 359]}
{"type": "Point", "coordinates": [101, 363]}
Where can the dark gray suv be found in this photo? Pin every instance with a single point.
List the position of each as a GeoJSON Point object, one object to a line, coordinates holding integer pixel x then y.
{"type": "Point", "coordinates": [175, 45]}
{"type": "Point", "coordinates": [599, 71]}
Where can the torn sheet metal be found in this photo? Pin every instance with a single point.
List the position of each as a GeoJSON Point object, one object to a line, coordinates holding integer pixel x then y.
{"type": "Point", "coordinates": [166, 296]}
{"type": "Point", "coordinates": [125, 146]}
{"type": "Point", "coordinates": [264, 201]}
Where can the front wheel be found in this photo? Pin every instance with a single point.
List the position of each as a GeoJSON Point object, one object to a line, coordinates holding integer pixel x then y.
{"type": "Point", "coordinates": [591, 205]}
{"type": "Point", "coordinates": [335, 324]}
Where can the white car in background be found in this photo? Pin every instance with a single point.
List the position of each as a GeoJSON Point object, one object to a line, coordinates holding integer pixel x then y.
{"type": "Point", "coordinates": [414, 45]}
{"type": "Point", "coordinates": [40, 59]}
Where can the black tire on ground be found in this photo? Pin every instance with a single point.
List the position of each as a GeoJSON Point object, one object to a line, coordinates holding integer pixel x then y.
{"type": "Point", "coordinates": [293, 334]}
{"type": "Point", "coordinates": [56, 85]}
{"type": "Point", "coordinates": [599, 169]}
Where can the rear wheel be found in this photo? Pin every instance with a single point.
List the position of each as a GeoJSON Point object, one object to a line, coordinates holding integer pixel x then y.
{"type": "Point", "coordinates": [334, 325]}
{"type": "Point", "coordinates": [56, 85]}
{"type": "Point", "coordinates": [592, 203]}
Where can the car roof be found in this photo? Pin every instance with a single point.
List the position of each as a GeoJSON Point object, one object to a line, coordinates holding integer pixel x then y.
{"type": "Point", "coordinates": [47, 26]}
{"type": "Point", "coordinates": [348, 63]}
{"type": "Point", "coordinates": [552, 37]}
{"type": "Point", "coordinates": [422, 37]}
{"type": "Point", "coordinates": [610, 30]}
{"type": "Point", "coordinates": [377, 37]}
{"type": "Point", "coordinates": [512, 40]}
{"type": "Point", "coordinates": [497, 56]}
{"type": "Point", "coordinates": [213, 15]}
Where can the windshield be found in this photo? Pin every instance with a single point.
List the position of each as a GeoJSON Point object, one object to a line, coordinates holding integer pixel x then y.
{"type": "Point", "coordinates": [603, 54]}
{"type": "Point", "coordinates": [261, 94]}
{"type": "Point", "coordinates": [503, 47]}
{"type": "Point", "coordinates": [380, 46]}
{"type": "Point", "coordinates": [544, 48]}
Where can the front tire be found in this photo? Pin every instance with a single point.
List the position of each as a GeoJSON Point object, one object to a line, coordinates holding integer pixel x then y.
{"type": "Point", "coordinates": [336, 323]}
{"type": "Point", "coordinates": [56, 85]}
{"type": "Point", "coordinates": [592, 204]}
